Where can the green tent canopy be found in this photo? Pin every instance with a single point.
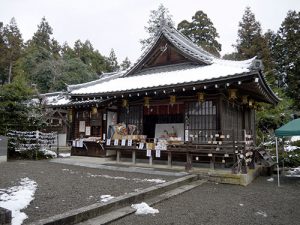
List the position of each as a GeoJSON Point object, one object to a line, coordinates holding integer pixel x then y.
{"type": "Point", "coordinates": [292, 128]}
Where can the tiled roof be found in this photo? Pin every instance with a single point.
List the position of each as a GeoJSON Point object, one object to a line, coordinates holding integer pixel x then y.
{"type": "Point", "coordinates": [165, 76]}
{"type": "Point", "coordinates": [55, 99]}
{"type": "Point", "coordinates": [202, 67]}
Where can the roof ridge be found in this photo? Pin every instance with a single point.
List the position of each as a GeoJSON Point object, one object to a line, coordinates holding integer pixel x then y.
{"type": "Point", "coordinates": [190, 42]}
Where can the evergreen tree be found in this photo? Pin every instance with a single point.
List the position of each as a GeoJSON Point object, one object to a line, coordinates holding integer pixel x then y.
{"type": "Point", "coordinates": [13, 110]}
{"type": "Point", "coordinates": [14, 44]}
{"type": "Point", "coordinates": [250, 40]}
{"type": "Point", "coordinates": [2, 55]}
{"type": "Point", "coordinates": [125, 64]}
{"type": "Point", "coordinates": [113, 62]}
{"type": "Point", "coordinates": [67, 52]}
{"type": "Point", "coordinates": [42, 37]}
{"type": "Point", "coordinates": [202, 32]}
{"type": "Point", "coordinates": [90, 57]}
{"type": "Point", "coordinates": [162, 13]}
{"type": "Point", "coordinates": [288, 56]}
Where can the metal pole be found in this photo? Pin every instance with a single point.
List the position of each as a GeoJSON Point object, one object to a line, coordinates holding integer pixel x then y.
{"type": "Point", "coordinates": [282, 156]}
{"type": "Point", "coordinates": [57, 144]}
{"type": "Point", "coordinates": [276, 139]}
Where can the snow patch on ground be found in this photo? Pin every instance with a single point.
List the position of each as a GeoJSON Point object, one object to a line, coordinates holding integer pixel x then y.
{"type": "Point", "coordinates": [106, 198]}
{"type": "Point", "coordinates": [270, 179]}
{"type": "Point", "coordinates": [157, 181]}
{"type": "Point", "coordinates": [144, 209]}
{"type": "Point", "coordinates": [261, 213]}
{"type": "Point", "coordinates": [17, 198]}
{"type": "Point", "coordinates": [49, 153]}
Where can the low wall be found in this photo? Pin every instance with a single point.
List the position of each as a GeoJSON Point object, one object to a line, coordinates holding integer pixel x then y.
{"type": "Point", "coordinates": [3, 149]}
{"type": "Point", "coordinates": [240, 179]}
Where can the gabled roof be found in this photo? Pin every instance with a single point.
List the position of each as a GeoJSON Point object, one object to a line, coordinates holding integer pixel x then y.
{"type": "Point", "coordinates": [184, 45]}
{"type": "Point", "coordinates": [194, 67]}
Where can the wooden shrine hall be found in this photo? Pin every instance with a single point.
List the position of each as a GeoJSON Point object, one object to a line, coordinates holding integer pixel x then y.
{"type": "Point", "coordinates": [177, 103]}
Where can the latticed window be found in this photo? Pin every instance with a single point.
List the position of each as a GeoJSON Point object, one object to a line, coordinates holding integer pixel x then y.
{"type": "Point", "coordinates": [133, 115]}
{"type": "Point", "coordinates": [200, 121]}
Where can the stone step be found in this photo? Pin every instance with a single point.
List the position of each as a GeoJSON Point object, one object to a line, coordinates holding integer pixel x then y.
{"type": "Point", "coordinates": [125, 211]}
{"type": "Point", "coordinates": [97, 209]}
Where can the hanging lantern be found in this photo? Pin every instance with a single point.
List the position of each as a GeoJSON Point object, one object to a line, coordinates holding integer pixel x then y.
{"type": "Point", "coordinates": [147, 102]}
{"type": "Point", "coordinates": [251, 103]}
{"type": "Point", "coordinates": [245, 99]}
{"type": "Point", "coordinates": [94, 110]}
{"type": "Point", "coordinates": [201, 97]}
{"type": "Point", "coordinates": [172, 99]}
{"type": "Point", "coordinates": [124, 103]}
{"type": "Point", "coordinates": [232, 94]}
{"type": "Point", "coordinates": [70, 114]}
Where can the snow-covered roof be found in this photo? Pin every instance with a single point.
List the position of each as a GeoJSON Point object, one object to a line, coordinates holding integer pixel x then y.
{"type": "Point", "coordinates": [166, 76]}
{"type": "Point", "coordinates": [103, 78]}
{"type": "Point", "coordinates": [55, 99]}
{"type": "Point", "coordinates": [194, 67]}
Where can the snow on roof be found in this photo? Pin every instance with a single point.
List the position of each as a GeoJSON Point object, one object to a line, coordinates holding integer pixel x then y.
{"type": "Point", "coordinates": [171, 75]}
{"type": "Point", "coordinates": [104, 77]}
{"type": "Point", "coordinates": [55, 99]}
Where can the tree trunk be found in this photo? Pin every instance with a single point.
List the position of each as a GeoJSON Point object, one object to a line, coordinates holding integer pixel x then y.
{"type": "Point", "coordinates": [9, 72]}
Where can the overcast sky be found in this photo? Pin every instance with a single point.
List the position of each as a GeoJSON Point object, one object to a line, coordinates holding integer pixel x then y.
{"type": "Point", "coordinates": [120, 24]}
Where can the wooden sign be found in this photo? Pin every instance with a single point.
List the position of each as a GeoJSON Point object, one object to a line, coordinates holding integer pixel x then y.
{"type": "Point", "coordinates": [116, 142]}
{"type": "Point", "coordinates": [141, 145]}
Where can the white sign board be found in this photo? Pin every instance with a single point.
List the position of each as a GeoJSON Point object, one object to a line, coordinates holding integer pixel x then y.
{"type": "Point", "coordinates": [81, 126]}
{"type": "Point", "coordinates": [169, 130]}
{"type": "Point", "coordinates": [87, 131]}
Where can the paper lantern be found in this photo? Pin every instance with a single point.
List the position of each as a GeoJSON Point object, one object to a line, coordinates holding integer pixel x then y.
{"type": "Point", "coordinates": [172, 99]}
{"type": "Point", "coordinates": [251, 103]}
{"type": "Point", "coordinates": [232, 95]}
{"type": "Point", "coordinates": [124, 103]}
{"type": "Point", "coordinates": [201, 97]}
{"type": "Point", "coordinates": [94, 110]}
{"type": "Point", "coordinates": [147, 102]}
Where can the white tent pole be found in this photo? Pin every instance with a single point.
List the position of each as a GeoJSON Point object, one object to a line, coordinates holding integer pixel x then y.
{"type": "Point", "coordinates": [276, 139]}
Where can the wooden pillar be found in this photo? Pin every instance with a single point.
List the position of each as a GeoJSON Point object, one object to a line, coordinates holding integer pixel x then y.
{"type": "Point", "coordinates": [118, 156]}
{"type": "Point", "coordinates": [169, 159]}
{"type": "Point", "coordinates": [188, 165]}
{"type": "Point", "coordinates": [133, 156]}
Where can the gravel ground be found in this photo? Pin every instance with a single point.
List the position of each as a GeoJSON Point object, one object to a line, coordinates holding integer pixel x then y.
{"type": "Point", "coordinates": [64, 187]}
{"type": "Point", "coordinates": [259, 203]}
